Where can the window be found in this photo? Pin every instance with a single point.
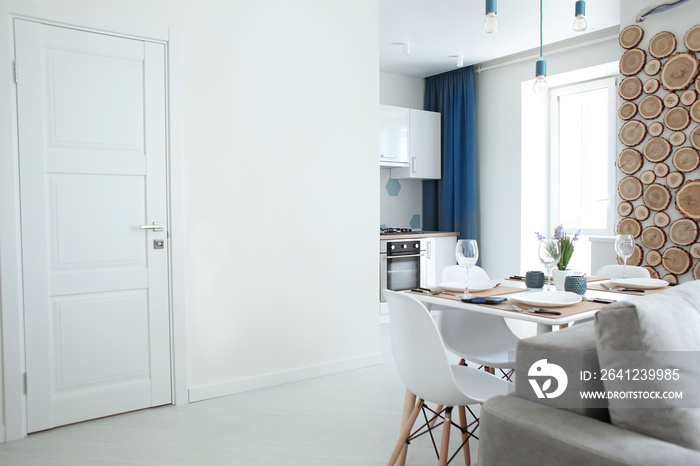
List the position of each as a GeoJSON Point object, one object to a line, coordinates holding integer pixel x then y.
{"type": "Point", "coordinates": [582, 156]}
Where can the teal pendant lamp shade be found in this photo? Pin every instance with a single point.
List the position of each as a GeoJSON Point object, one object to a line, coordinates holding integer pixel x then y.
{"type": "Point", "coordinates": [580, 23]}
{"type": "Point", "coordinates": [491, 24]}
{"type": "Point", "coordinates": [540, 86]}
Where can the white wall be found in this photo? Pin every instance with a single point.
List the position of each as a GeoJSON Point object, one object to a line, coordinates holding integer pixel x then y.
{"type": "Point", "coordinates": [499, 123]}
{"type": "Point", "coordinates": [280, 143]}
{"type": "Point", "coordinates": [401, 91]}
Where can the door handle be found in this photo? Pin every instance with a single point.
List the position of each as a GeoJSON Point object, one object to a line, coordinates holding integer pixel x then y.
{"type": "Point", "coordinates": [157, 226]}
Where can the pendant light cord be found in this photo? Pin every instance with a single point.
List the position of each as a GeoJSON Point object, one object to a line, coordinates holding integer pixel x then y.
{"type": "Point", "coordinates": [541, 55]}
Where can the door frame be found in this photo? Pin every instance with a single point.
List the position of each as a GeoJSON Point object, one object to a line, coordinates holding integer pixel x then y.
{"type": "Point", "coordinates": [11, 283]}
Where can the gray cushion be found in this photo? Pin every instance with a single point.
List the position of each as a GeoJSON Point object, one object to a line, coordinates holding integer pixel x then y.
{"type": "Point", "coordinates": [658, 331]}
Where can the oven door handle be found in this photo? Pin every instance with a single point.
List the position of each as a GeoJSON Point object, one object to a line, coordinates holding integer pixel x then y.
{"type": "Point", "coordinates": [407, 255]}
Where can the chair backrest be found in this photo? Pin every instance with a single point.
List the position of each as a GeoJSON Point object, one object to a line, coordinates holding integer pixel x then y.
{"type": "Point", "coordinates": [615, 271]}
{"type": "Point", "coordinates": [455, 273]}
{"type": "Point", "coordinates": [419, 352]}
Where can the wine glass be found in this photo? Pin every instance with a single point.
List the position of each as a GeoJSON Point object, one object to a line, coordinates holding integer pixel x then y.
{"type": "Point", "coordinates": [624, 247]}
{"type": "Point", "coordinates": [549, 256]}
{"type": "Point", "coordinates": [466, 253]}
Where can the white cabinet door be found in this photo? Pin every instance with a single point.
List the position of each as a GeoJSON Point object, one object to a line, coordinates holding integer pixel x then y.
{"type": "Point", "coordinates": [440, 252]}
{"type": "Point", "coordinates": [393, 136]}
{"type": "Point", "coordinates": [424, 158]}
{"type": "Point", "coordinates": [92, 150]}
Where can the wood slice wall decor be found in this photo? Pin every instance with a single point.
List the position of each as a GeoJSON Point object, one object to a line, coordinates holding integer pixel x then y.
{"type": "Point", "coordinates": [631, 36]}
{"type": "Point", "coordinates": [659, 150]}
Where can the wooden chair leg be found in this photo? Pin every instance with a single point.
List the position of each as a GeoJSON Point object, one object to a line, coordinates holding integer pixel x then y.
{"type": "Point", "coordinates": [434, 419]}
{"type": "Point", "coordinates": [445, 444]}
{"type": "Point", "coordinates": [405, 432]}
{"type": "Point", "coordinates": [409, 402]}
{"type": "Point", "coordinates": [463, 422]}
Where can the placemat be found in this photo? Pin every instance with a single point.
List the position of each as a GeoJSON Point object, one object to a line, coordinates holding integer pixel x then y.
{"type": "Point", "coordinates": [632, 293]}
{"type": "Point", "coordinates": [566, 311]}
{"type": "Point", "coordinates": [495, 291]}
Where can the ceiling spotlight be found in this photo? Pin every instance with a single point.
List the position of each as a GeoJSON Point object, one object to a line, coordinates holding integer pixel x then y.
{"type": "Point", "coordinates": [580, 23]}
{"type": "Point", "coordinates": [491, 24]}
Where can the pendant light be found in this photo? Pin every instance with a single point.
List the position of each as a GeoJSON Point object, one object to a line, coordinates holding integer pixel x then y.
{"type": "Point", "coordinates": [580, 23]}
{"type": "Point", "coordinates": [540, 85]}
{"type": "Point", "coordinates": [491, 24]}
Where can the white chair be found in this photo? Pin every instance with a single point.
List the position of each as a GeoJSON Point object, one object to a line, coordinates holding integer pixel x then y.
{"type": "Point", "coordinates": [480, 338]}
{"type": "Point", "coordinates": [423, 366]}
{"type": "Point", "coordinates": [455, 273]}
{"type": "Point", "coordinates": [615, 271]}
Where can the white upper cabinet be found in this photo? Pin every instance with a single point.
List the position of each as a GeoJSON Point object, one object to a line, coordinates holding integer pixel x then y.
{"type": "Point", "coordinates": [410, 142]}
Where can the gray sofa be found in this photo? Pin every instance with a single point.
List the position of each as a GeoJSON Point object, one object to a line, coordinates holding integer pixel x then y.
{"type": "Point", "coordinates": [658, 331]}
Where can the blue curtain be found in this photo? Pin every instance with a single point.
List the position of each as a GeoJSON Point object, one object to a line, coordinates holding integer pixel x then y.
{"type": "Point", "coordinates": [450, 203]}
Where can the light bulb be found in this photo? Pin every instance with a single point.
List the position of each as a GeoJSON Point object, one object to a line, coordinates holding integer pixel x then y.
{"type": "Point", "coordinates": [491, 24]}
{"type": "Point", "coordinates": [580, 23]}
{"type": "Point", "coordinates": [540, 86]}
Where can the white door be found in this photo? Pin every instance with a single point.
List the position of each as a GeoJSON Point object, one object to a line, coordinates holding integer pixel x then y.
{"type": "Point", "coordinates": [92, 156]}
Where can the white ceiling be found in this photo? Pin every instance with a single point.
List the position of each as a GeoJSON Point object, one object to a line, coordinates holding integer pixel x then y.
{"type": "Point", "coordinates": [438, 29]}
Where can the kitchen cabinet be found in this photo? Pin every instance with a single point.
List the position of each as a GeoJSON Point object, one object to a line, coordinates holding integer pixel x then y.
{"type": "Point", "coordinates": [410, 142]}
{"type": "Point", "coordinates": [439, 252]}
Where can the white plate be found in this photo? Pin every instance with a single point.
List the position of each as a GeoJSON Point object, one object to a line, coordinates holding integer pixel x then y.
{"type": "Point", "coordinates": [475, 286]}
{"type": "Point", "coordinates": [639, 283]}
{"type": "Point", "coordinates": [547, 298]}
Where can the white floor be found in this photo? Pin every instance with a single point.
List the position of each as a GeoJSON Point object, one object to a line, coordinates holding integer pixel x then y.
{"type": "Point", "coordinates": [345, 419]}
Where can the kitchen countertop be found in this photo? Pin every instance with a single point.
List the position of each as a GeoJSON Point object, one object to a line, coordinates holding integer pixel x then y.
{"type": "Point", "coordinates": [424, 234]}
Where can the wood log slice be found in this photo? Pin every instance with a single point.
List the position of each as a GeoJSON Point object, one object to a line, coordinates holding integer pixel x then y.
{"type": "Point", "coordinates": [647, 177]}
{"type": "Point", "coordinates": [653, 237]}
{"type": "Point", "coordinates": [696, 271]}
{"type": "Point", "coordinates": [652, 67]}
{"type": "Point", "coordinates": [652, 271]}
{"type": "Point", "coordinates": [629, 226]}
{"type": "Point", "coordinates": [657, 149]}
{"type": "Point", "coordinates": [677, 138]}
{"type": "Point", "coordinates": [691, 38]}
{"type": "Point", "coordinates": [630, 188]}
{"type": "Point", "coordinates": [695, 137]}
{"type": "Point", "coordinates": [697, 84]}
{"type": "Point", "coordinates": [671, 100]}
{"type": "Point", "coordinates": [636, 258]}
{"type": "Point", "coordinates": [676, 260]}
{"type": "Point", "coordinates": [675, 179]}
{"type": "Point", "coordinates": [651, 85]}
{"type": "Point", "coordinates": [627, 110]}
{"type": "Point", "coordinates": [632, 61]}
{"type": "Point", "coordinates": [632, 132]}
{"type": "Point", "coordinates": [688, 200]}
{"type": "Point", "coordinates": [631, 36]}
{"type": "Point", "coordinates": [641, 212]}
{"type": "Point", "coordinates": [662, 44]}
{"type": "Point", "coordinates": [662, 219]}
{"type": "Point", "coordinates": [630, 88]}
{"type": "Point", "coordinates": [695, 250]}
{"type": "Point", "coordinates": [661, 170]}
{"type": "Point", "coordinates": [630, 161]}
{"type": "Point", "coordinates": [653, 258]}
{"type": "Point", "coordinates": [683, 231]}
{"type": "Point", "coordinates": [671, 278]}
{"type": "Point", "coordinates": [656, 128]}
{"type": "Point", "coordinates": [677, 119]}
{"type": "Point", "coordinates": [657, 197]}
{"type": "Point", "coordinates": [695, 111]}
{"type": "Point", "coordinates": [689, 96]}
{"type": "Point", "coordinates": [686, 159]}
{"type": "Point", "coordinates": [678, 72]}
{"type": "Point", "coordinates": [650, 107]}
{"type": "Point", "coordinates": [624, 208]}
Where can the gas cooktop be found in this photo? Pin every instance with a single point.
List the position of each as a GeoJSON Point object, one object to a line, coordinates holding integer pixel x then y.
{"type": "Point", "coordinates": [398, 231]}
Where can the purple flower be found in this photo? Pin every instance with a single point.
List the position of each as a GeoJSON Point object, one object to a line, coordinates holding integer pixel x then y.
{"type": "Point", "coordinates": [539, 236]}
{"type": "Point", "coordinates": [558, 232]}
{"type": "Point", "coordinates": [576, 235]}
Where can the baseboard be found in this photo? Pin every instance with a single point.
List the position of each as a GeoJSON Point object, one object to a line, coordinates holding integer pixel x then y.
{"type": "Point", "coordinates": [205, 392]}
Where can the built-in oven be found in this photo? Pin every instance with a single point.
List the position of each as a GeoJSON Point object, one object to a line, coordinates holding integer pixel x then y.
{"type": "Point", "coordinates": [402, 265]}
